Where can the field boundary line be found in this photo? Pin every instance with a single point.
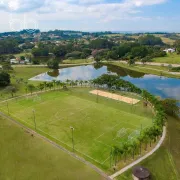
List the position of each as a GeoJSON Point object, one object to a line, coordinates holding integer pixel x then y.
{"type": "Point", "coordinates": [30, 124]}
{"type": "Point", "coordinates": [142, 158]}
{"type": "Point", "coordinates": [98, 170]}
{"type": "Point", "coordinates": [107, 131]}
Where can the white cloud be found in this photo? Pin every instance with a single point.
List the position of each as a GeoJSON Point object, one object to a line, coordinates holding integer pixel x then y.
{"type": "Point", "coordinates": [94, 10]}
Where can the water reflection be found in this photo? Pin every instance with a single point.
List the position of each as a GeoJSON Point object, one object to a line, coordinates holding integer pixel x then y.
{"type": "Point", "coordinates": [54, 73]}
{"type": "Point", "coordinates": [161, 86]}
{"type": "Point", "coordinates": [124, 72]}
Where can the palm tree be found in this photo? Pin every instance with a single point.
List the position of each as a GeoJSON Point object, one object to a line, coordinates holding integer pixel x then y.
{"type": "Point", "coordinates": [50, 85]}
{"type": "Point", "coordinates": [126, 149]}
{"type": "Point", "coordinates": [115, 154]}
{"type": "Point", "coordinates": [45, 85]}
{"type": "Point", "coordinates": [68, 81]}
{"type": "Point", "coordinates": [77, 82]}
{"type": "Point", "coordinates": [71, 83]}
{"type": "Point", "coordinates": [54, 83]}
{"type": "Point", "coordinates": [31, 88]}
{"type": "Point", "coordinates": [58, 83]}
{"type": "Point", "coordinates": [81, 82]}
{"type": "Point", "coordinates": [134, 145]}
{"type": "Point", "coordinates": [40, 86]}
{"type": "Point", "coordinates": [140, 139]}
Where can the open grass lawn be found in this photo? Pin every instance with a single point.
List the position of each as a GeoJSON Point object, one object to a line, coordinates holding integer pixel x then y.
{"type": "Point", "coordinates": [147, 69]}
{"type": "Point", "coordinates": [24, 157]}
{"type": "Point", "coordinates": [22, 54]}
{"type": "Point", "coordinates": [171, 59]}
{"type": "Point", "coordinates": [165, 163]}
{"type": "Point", "coordinates": [98, 122]}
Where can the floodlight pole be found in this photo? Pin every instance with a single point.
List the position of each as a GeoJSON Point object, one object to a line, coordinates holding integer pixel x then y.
{"type": "Point", "coordinates": [111, 158]}
{"type": "Point", "coordinates": [97, 96]}
{"type": "Point", "coordinates": [8, 107]}
{"type": "Point", "coordinates": [34, 117]}
{"type": "Point", "coordinates": [72, 129]}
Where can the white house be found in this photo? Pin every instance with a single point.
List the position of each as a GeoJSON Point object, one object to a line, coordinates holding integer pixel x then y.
{"type": "Point", "coordinates": [170, 50]}
{"type": "Point", "coordinates": [14, 61]}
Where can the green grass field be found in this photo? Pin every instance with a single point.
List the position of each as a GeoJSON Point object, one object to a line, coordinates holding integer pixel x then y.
{"type": "Point", "coordinates": [165, 163]}
{"type": "Point", "coordinates": [77, 61]}
{"type": "Point", "coordinates": [171, 59]}
{"type": "Point", "coordinates": [147, 69]}
{"type": "Point", "coordinates": [24, 157]}
{"type": "Point", "coordinates": [99, 123]}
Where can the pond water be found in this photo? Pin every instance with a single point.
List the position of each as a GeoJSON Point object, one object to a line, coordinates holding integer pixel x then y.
{"type": "Point", "coordinates": [161, 86]}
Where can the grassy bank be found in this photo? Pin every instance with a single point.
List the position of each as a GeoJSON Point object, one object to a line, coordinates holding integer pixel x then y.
{"type": "Point", "coordinates": [170, 59]}
{"type": "Point", "coordinates": [24, 157]}
{"type": "Point", "coordinates": [23, 73]}
{"type": "Point", "coordinates": [147, 69]}
{"type": "Point", "coordinates": [165, 163]}
{"type": "Point", "coordinates": [77, 61]}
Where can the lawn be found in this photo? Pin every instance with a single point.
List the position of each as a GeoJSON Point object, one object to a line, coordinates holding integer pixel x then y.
{"type": "Point", "coordinates": [25, 73]}
{"type": "Point", "coordinates": [77, 61]}
{"type": "Point", "coordinates": [147, 69]}
{"type": "Point", "coordinates": [22, 54]}
{"type": "Point", "coordinates": [165, 163]}
{"type": "Point", "coordinates": [24, 157]}
{"type": "Point", "coordinates": [171, 59]}
{"type": "Point", "coordinates": [99, 123]}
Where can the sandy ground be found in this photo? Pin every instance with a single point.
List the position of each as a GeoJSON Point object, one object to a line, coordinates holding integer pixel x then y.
{"type": "Point", "coordinates": [115, 96]}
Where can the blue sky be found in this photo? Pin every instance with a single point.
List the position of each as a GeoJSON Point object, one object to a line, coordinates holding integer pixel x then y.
{"type": "Point", "coordinates": [91, 15]}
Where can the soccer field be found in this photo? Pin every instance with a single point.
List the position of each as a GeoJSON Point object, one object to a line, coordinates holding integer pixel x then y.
{"type": "Point", "coordinates": [99, 123]}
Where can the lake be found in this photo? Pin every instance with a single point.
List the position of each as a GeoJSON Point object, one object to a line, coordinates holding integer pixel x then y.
{"type": "Point", "coordinates": [160, 86]}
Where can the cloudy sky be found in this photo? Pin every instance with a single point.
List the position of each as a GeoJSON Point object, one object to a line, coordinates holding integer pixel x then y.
{"type": "Point", "coordinates": [90, 15]}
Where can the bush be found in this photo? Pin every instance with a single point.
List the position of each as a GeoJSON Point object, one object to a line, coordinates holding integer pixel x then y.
{"type": "Point", "coordinates": [35, 61]}
{"type": "Point", "coordinates": [175, 69]}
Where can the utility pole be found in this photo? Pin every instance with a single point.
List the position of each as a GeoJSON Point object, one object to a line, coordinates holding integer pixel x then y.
{"type": "Point", "coordinates": [72, 129]}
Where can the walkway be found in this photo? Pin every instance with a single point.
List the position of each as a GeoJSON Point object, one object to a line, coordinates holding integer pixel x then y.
{"type": "Point", "coordinates": [142, 158]}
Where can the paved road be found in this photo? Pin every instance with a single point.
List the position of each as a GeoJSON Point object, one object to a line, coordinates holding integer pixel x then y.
{"type": "Point", "coordinates": [142, 158]}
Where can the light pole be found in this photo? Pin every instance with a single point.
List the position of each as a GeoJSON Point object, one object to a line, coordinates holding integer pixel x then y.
{"type": "Point", "coordinates": [72, 129]}
{"type": "Point", "coordinates": [111, 157]}
{"type": "Point", "coordinates": [8, 107]}
{"type": "Point", "coordinates": [34, 117]}
{"type": "Point", "coordinates": [97, 97]}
